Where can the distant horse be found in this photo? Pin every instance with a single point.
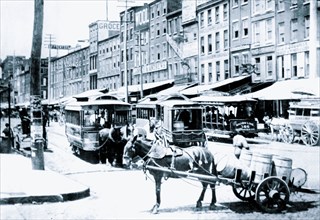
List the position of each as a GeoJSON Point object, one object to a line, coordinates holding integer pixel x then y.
{"type": "Point", "coordinates": [113, 143]}
{"type": "Point", "coordinates": [193, 159]}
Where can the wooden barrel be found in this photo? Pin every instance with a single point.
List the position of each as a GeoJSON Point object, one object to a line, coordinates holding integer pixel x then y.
{"type": "Point", "coordinates": [281, 167]}
{"type": "Point", "coordinates": [262, 164]}
{"type": "Point", "coordinates": [228, 165]}
{"type": "Point", "coordinates": [246, 157]}
{"type": "Point", "coordinates": [298, 177]}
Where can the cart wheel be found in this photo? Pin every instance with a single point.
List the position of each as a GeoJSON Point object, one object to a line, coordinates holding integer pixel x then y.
{"type": "Point", "coordinates": [310, 133]}
{"type": "Point", "coordinates": [243, 192]}
{"type": "Point", "coordinates": [272, 194]}
{"type": "Point", "coordinates": [287, 134]}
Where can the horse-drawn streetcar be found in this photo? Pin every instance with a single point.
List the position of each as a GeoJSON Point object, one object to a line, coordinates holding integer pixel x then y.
{"type": "Point", "coordinates": [88, 116]}
{"type": "Point", "coordinates": [178, 118]}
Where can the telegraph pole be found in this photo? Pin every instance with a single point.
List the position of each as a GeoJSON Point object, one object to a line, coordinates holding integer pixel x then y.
{"type": "Point", "coordinates": [51, 39]}
{"type": "Point", "coordinates": [37, 158]}
{"type": "Point", "coordinates": [125, 54]}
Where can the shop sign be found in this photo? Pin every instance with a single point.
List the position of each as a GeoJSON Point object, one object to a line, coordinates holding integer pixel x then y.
{"type": "Point", "coordinates": [59, 47]}
{"type": "Point", "coordinates": [262, 50]}
{"type": "Point", "coordinates": [292, 48]}
{"type": "Point", "coordinates": [148, 68]}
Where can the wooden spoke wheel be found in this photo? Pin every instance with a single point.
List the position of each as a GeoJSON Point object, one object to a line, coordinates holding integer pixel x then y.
{"type": "Point", "coordinates": [287, 134]}
{"type": "Point", "coordinates": [310, 132]}
{"type": "Point", "coordinates": [272, 194]}
{"type": "Point", "coordinates": [245, 192]}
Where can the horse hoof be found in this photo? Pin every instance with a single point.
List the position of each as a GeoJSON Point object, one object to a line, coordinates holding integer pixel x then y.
{"type": "Point", "coordinates": [212, 207]}
{"type": "Point", "coordinates": [199, 205]}
{"type": "Point", "coordinates": [155, 209]}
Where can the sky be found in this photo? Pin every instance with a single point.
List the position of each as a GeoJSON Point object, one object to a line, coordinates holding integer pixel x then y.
{"type": "Point", "coordinates": [66, 20]}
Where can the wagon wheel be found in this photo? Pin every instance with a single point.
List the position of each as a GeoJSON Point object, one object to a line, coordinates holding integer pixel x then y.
{"type": "Point", "coordinates": [245, 192]}
{"type": "Point", "coordinates": [310, 133]}
{"type": "Point", "coordinates": [272, 194]}
{"type": "Point", "coordinates": [287, 134]}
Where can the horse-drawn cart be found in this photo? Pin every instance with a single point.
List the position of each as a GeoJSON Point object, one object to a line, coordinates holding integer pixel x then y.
{"type": "Point", "coordinates": [271, 193]}
{"type": "Point", "coordinates": [267, 181]}
{"type": "Point", "coordinates": [303, 122]}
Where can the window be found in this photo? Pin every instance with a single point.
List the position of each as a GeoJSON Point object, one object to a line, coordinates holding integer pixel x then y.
{"type": "Point", "coordinates": [294, 29]}
{"type": "Point", "coordinates": [257, 6]}
{"type": "Point", "coordinates": [245, 27]}
{"type": "Point", "coordinates": [306, 26]}
{"type": "Point", "coordinates": [158, 29]}
{"type": "Point", "coordinates": [235, 29]}
{"type": "Point", "coordinates": [158, 52]}
{"type": "Point", "coordinates": [209, 43]}
{"type": "Point", "coordinates": [280, 61]}
{"type": "Point", "coordinates": [218, 71]}
{"type": "Point", "coordinates": [226, 69]}
{"type": "Point", "coordinates": [217, 41]}
{"type": "Point", "coordinates": [201, 19]}
{"type": "Point", "coordinates": [210, 71]}
{"type": "Point", "coordinates": [235, 3]}
{"type": "Point", "coordinates": [281, 33]}
{"type": "Point", "coordinates": [294, 3]}
{"type": "Point", "coordinates": [217, 15]}
{"type": "Point", "coordinates": [236, 65]}
{"type": "Point", "coordinates": [245, 58]}
{"type": "Point", "coordinates": [257, 64]}
{"type": "Point", "coordinates": [256, 31]}
{"type": "Point", "coordinates": [280, 5]}
{"type": "Point", "coordinates": [164, 26]}
{"type": "Point", "coordinates": [269, 5]}
{"type": "Point", "coordinates": [164, 46]}
{"type": "Point", "coordinates": [202, 45]}
{"type": "Point", "coordinates": [202, 73]}
{"type": "Point", "coordinates": [306, 63]}
{"type": "Point", "coordinates": [269, 30]}
{"type": "Point", "coordinates": [269, 65]}
{"type": "Point", "coordinates": [225, 39]}
{"type": "Point", "coordinates": [294, 67]}
{"type": "Point", "coordinates": [209, 17]}
{"type": "Point", "coordinates": [225, 12]}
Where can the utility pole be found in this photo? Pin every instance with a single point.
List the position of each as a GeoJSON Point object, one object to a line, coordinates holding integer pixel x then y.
{"type": "Point", "coordinates": [140, 60]}
{"type": "Point", "coordinates": [125, 54]}
{"type": "Point", "coordinates": [51, 39]}
{"type": "Point", "coordinates": [37, 158]}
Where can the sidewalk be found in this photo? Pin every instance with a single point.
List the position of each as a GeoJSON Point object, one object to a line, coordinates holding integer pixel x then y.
{"type": "Point", "coordinates": [19, 183]}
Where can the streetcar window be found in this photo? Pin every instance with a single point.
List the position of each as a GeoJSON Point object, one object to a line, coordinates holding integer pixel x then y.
{"type": "Point", "coordinates": [306, 112]}
{"type": "Point", "coordinates": [315, 112]}
{"type": "Point", "coordinates": [299, 111]}
{"type": "Point", "coordinates": [73, 117]}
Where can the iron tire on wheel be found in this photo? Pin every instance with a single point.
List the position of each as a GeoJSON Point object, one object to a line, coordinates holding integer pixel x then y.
{"type": "Point", "coordinates": [243, 192]}
{"type": "Point", "coordinates": [310, 132]}
{"type": "Point", "coordinates": [272, 194]}
{"type": "Point", "coordinates": [288, 134]}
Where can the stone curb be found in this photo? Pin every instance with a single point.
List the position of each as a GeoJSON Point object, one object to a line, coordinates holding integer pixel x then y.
{"type": "Point", "coordinates": [49, 198]}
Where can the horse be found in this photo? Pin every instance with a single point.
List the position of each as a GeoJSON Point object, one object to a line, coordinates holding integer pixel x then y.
{"type": "Point", "coordinates": [193, 159]}
{"type": "Point", "coordinates": [112, 144]}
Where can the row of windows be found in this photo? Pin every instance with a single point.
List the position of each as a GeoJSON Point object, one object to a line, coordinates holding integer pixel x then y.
{"type": "Point", "coordinates": [218, 70]}
{"type": "Point", "coordinates": [217, 42]}
{"type": "Point", "coordinates": [220, 14]}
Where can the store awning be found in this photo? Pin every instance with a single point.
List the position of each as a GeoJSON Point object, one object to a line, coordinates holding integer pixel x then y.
{"type": "Point", "coordinates": [175, 89]}
{"type": "Point", "coordinates": [289, 89]}
{"type": "Point", "coordinates": [136, 88]}
{"type": "Point", "coordinates": [196, 90]}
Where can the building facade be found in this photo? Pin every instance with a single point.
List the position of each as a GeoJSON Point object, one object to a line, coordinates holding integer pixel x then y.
{"type": "Point", "coordinates": [199, 41]}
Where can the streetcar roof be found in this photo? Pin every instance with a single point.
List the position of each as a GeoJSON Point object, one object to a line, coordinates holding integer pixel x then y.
{"type": "Point", "coordinates": [179, 103]}
{"type": "Point", "coordinates": [99, 102]}
{"type": "Point", "coordinates": [152, 100]}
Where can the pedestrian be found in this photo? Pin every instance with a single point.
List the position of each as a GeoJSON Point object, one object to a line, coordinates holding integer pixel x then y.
{"type": "Point", "coordinates": [239, 142]}
{"type": "Point", "coordinates": [8, 133]}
